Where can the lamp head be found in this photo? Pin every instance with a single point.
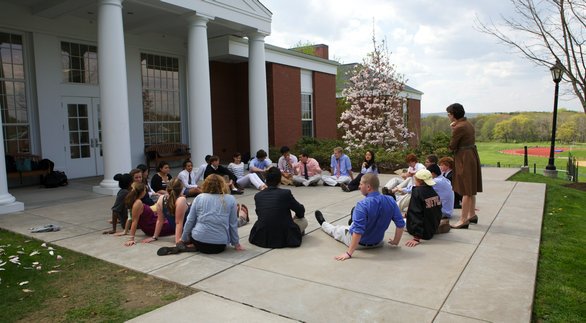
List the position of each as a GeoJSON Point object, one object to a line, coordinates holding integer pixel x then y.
{"type": "Point", "coordinates": [557, 70]}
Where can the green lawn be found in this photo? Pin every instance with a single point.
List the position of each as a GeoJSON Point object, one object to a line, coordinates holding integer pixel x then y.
{"type": "Point", "coordinates": [490, 155]}
{"type": "Point", "coordinates": [44, 283]}
{"type": "Point", "coordinates": [560, 294]}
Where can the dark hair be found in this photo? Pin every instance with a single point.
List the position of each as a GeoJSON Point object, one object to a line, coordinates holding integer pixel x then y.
{"type": "Point", "coordinates": [236, 154]}
{"type": "Point", "coordinates": [213, 159]}
{"type": "Point", "coordinates": [142, 167]}
{"type": "Point", "coordinates": [273, 176]}
{"type": "Point", "coordinates": [185, 162]}
{"type": "Point", "coordinates": [411, 158]}
{"type": "Point", "coordinates": [434, 168]}
{"type": "Point", "coordinates": [207, 158]}
{"type": "Point", "coordinates": [456, 110]}
{"type": "Point", "coordinates": [284, 149]}
{"type": "Point", "coordinates": [162, 164]}
{"type": "Point", "coordinates": [261, 154]}
{"type": "Point", "coordinates": [304, 153]}
{"type": "Point", "coordinates": [371, 162]}
{"type": "Point", "coordinates": [124, 180]}
{"type": "Point", "coordinates": [432, 158]}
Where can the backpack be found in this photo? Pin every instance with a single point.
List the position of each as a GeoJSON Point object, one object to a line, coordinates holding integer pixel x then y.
{"type": "Point", "coordinates": [55, 179]}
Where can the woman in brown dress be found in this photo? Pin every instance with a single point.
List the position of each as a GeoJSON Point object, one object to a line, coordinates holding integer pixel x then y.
{"type": "Point", "coordinates": [467, 180]}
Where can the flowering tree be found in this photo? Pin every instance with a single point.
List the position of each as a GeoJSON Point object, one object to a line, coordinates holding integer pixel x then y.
{"type": "Point", "coordinates": [375, 116]}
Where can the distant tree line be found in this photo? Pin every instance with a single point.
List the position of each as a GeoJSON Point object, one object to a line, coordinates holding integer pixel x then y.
{"type": "Point", "coordinates": [514, 127]}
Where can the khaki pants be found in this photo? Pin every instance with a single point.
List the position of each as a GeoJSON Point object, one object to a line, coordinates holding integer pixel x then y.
{"type": "Point", "coordinates": [342, 234]}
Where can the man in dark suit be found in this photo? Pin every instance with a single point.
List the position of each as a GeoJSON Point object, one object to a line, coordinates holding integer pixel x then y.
{"type": "Point", "coordinates": [275, 227]}
{"type": "Point", "coordinates": [446, 165]}
{"type": "Point", "coordinates": [214, 167]}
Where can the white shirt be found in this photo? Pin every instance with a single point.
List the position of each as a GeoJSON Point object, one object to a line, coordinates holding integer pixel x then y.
{"type": "Point", "coordinates": [184, 178]}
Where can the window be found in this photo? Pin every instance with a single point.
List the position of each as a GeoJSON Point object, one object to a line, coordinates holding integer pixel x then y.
{"type": "Point", "coordinates": [405, 113]}
{"type": "Point", "coordinates": [13, 99]}
{"type": "Point", "coordinates": [306, 116]}
{"type": "Point", "coordinates": [79, 63]}
{"type": "Point", "coordinates": [306, 103]}
{"type": "Point", "coordinates": [160, 99]}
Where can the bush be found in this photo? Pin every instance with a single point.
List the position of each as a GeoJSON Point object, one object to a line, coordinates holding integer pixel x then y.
{"type": "Point", "coordinates": [388, 162]}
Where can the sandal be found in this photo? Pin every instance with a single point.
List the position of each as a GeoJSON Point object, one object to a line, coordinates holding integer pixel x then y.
{"type": "Point", "coordinates": [163, 251]}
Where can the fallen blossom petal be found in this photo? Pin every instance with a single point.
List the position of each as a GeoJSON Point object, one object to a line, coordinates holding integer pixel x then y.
{"type": "Point", "coordinates": [39, 267]}
{"type": "Point", "coordinates": [50, 248]}
{"type": "Point", "coordinates": [53, 272]}
{"type": "Point", "coordinates": [34, 253]}
{"type": "Point", "coordinates": [23, 283]}
{"type": "Point", "coordinates": [44, 244]}
{"type": "Point", "coordinates": [28, 290]}
{"type": "Point", "coordinates": [51, 252]}
{"type": "Point", "coordinates": [59, 257]}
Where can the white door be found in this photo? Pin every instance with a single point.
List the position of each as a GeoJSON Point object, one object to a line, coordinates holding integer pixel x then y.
{"type": "Point", "coordinates": [84, 137]}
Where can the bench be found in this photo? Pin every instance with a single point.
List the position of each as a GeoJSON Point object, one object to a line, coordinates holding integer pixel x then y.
{"type": "Point", "coordinates": [167, 152]}
{"type": "Point", "coordinates": [27, 165]}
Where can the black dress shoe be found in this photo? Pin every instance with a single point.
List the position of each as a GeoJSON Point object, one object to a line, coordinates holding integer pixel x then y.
{"type": "Point", "coordinates": [461, 226]}
{"type": "Point", "coordinates": [473, 219]}
{"type": "Point", "coordinates": [319, 217]}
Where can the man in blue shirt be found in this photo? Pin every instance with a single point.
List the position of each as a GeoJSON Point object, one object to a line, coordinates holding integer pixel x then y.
{"type": "Point", "coordinates": [341, 169]}
{"type": "Point", "coordinates": [260, 164]}
{"type": "Point", "coordinates": [370, 220]}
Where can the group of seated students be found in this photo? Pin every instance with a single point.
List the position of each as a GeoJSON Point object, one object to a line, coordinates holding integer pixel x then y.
{"type": "Point", "coordinates": [423, 195]}
{"type": "Point", "coordinates": [161, 208]}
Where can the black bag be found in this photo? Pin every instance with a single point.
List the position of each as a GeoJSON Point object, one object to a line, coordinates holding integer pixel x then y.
{"type": "Point", "coordinates": [55, 179]}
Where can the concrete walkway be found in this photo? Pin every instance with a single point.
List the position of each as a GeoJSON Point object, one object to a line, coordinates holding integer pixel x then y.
{"type": "Point", "coordinates": [485, 273]}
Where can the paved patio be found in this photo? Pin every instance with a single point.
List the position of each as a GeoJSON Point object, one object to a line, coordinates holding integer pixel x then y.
{"type": "Point", "coordinates": [486, 273]}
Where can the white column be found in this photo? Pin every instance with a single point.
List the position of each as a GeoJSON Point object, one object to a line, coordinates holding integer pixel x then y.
{"type": "Point", "coordinates": [199, 91]}
{"type": "Point", "coordinates": [113, 95]}
{"type": "Point", "coordinates": [8, 203]}
{"type": "Point", "coordinates": [257, 94]}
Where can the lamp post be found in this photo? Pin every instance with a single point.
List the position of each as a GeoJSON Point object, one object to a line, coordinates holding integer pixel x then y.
{"type": "Point", "coordinates": [556, 74]}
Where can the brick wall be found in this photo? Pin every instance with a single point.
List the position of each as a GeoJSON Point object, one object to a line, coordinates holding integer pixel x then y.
{"type": "Point", "coordinates": [324, 105]}
{"type": "Point", "coordinates": [229, 95]}
{"type": "Point", "coordinates": [414, 121]}
{"type": "Point", "coordinates": [284, 104]}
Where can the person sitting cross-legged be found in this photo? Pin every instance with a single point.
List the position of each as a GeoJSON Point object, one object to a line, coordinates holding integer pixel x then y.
{"type": "Point", "coordinates": [275, 227]}
{"type": "Point", "coordinates": [341, 168]}
{"type": "Point", "coordinates": [370, 219]}
{"type": "Point", "coordinates": [307, 171]}
{"type": "Point", "coordinates": [285, 164]}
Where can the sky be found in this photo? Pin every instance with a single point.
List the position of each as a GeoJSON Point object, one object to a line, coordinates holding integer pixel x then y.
{"type": "Point", "coordinates": [434, 44]}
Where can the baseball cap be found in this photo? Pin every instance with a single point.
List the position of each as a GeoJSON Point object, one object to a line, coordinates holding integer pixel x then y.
{"type": "Point", "coordinates": [425, 176]}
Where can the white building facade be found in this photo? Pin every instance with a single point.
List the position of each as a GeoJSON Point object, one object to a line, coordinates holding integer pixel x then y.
{"type": "Point", "coordinates": [89, 83]}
